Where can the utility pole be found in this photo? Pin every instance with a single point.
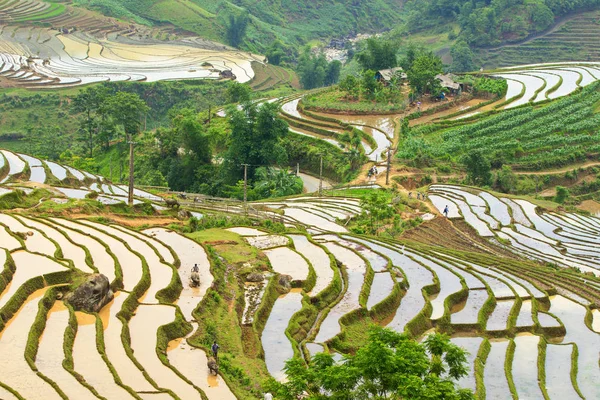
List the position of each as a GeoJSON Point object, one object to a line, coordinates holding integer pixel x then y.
{"type": "Point", "coordinates": [387, 173]}
{"type": "Point", "coordinates": [321, 177]}
{"type": "Point", "coordinates": [245, 187]}
{"type": "Point", "coordinates": [297, 169]}
{"type": "Point", "coordinates": [130, 171]}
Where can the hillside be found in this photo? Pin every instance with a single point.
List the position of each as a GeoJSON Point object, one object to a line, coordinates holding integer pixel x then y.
{"type": "Point", "coordinates": [575, 38]}
{"type": "Point", "coordinates": [292, 22]}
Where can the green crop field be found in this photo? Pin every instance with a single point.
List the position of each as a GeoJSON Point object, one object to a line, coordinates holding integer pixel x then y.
{"type": "Point", "coordinates": [532, 138]}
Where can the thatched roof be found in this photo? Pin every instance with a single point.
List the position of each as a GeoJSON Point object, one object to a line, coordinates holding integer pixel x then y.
{"type": "Point", "coordinates": [387, 74]}
{"type": "Point", "coordinates": [447, 81]}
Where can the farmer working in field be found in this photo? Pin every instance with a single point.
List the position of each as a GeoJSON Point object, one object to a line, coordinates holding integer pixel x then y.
{"type": "Point", "coordinates": [215, 350]}
{"type": "Point", "coordinates": [195, 268]}
{"type": "Point", "coordinates": [446, 211]}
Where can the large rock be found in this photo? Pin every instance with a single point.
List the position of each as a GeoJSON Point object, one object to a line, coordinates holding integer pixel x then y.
{"type": "Point", "coordinates": [91, 295]}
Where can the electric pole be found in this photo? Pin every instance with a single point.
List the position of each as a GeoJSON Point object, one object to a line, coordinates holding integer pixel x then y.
{"type": "Point", "coordinates": [321, 177]}
{"type": "Point", "coordinates": [130, 171]}
{"type": "Point", "coordinates": [387, 173]}
{"type": "Point", "coordinates": [245, 187]}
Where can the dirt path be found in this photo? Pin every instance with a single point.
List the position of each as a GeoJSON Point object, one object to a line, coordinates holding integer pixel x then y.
{"type": "Point", "coordinates": [561, 170]}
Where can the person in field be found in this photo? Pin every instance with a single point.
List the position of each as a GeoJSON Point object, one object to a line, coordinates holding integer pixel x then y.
{"type": "Point", "coordinates": [446, 211]}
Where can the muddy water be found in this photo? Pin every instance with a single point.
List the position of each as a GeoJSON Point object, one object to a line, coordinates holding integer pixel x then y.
{"type": "Point", "coordinates": [356, 269]}
{"type": "Point", "coordinates": [158, 245]}
{"type": "Point", "coordinates": [525, 317]}
{"type": "Point", "coordinates": [115, 352]}
{"type": "Point", "coordinates": [246, 231]}
{"type": "Point", "coordinates": [15, 372]}
{"type": "Point", "coordinates": [16, 165]}
{"type": "Point", "coordinates": [155, 396]}
{"type": "Point", "coordinates": [57, 170]}
{"type": "Point", "coordinates": [380, 288]}
{"type": "Point", "coordinates": [596, 320]}
{"type": "Point", "coordinates": [313, 220]}
{"type": "Point", "coordinates": [468, 314]}
{"type": "Point", "coordinates": [143, 330]}
{"type": "Point", "coordinates": [7, 241]}
{"type": "Point", "coordinates": [588, 342]}
{"type": "Point", "coordinates": [6, 395]}
{"type": "Point", "coordinates": [449, 284]}
{"type": "Point", "coordinates": [471, 345]}
{"type": "Point", "coordinates": [314, 348]}
{"type": "Point", "coordinates": [50, 354]}
{"type": "Point", "coordinates": [558, 372]}
{"type": "Point", "coordinates": [377, 262]}
{"type": "Point", "coordinates": [494, 378]}
{"type": "Point", "coordinates": [278, 348]}
{"type": "Point", "coordinates": [28, 266]}
{"type": "Point", "coordinates": [131, 264]}
{"type": "Point", "coordinates": [525, 368]}
{"type": "Point", "coordinates": [189, 253]}
{"type": "Point", "coordinates": [88, 362]}
{"type": "Point", "coordinates": [191, 362]}
{"type": "Point", "coordinates": [440, 203]}
{"type": "Point", "coordinates": [287, 262]}
{"type": "Point", "coordinates": [100, 257]}
{"type": "Point", "coordinates": [160, 274]}
{"type": "Point", "coordinates": [319, 260]}
{"type": "Point", "coordinates": [385, 123]}
{"type": "Point", "coordinates": [69, 250]}
{"type": "Point", "coordinates": [36, 242]}
{"type": "Point", "coordinates": [418, 277]}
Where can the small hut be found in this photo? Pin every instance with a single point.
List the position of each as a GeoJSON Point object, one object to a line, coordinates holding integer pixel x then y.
{"type": "Point", "coordinates": [447, 81]}
{"type": "Point", "coordinates": [385, 75]}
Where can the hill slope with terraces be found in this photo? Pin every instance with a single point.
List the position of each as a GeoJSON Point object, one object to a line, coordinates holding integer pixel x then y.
{"type": "Point", "coordinates": [516, 285]}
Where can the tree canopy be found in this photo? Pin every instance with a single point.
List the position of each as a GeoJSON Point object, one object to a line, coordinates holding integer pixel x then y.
{"type": "Point", "coordinates": [389, 366]}
{"type": "Point", "coordinates": [379, 54]}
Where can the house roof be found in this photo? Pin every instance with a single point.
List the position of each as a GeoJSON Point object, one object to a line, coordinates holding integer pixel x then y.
{"type": "Point", "coordinates": [387, 74]}
{"type": "Point", "coordinates": [447, 81]}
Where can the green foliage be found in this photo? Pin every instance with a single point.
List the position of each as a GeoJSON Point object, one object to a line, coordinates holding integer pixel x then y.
{"type": "Point", "coordinates": [379, 54]}
{"type": "Point", "coordinates": [478, 168]}
{"type": "Point", "coordinates": [422, 74]}
{"type": "Point", "coordinates": [236, 28]}
{"type": "Point", "coordinates": [562, 193]}
{"type": "Point", "coordinates": [530, 138]}
{"type": "Point", "coordinates": [271, 182]}
{"type": "Point", "coordinates": [506, 180]}
{"type": "Point", "coordinates": [462, 57]}
{"type": "Point", "coordinates": [255, 140]}
{"type": "Point", "coordinates": [238, 92]}
{"type": "Point", "coordinates": [484, 85]}
{"type": "Point", "coordinates": [314, 70]}
{"type": "Point", "coordinates": [389, 364]}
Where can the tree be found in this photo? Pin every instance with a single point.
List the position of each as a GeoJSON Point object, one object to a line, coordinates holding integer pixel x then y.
{"type": "Point", "coordinates": [127, 110]}
{"type": "Point", "coordinates": [276, 53]}
{"type": "Point", "coordinates": [88, 102]}
{"type": "Point", "coordinates": [478, 168]}
{"type": "Point", "coordinates": [462, 57]}
{"type": "Point", "coordinates": [389, 366]}
{"type": "Point", "coordinates": [562, 193]}
{"type": "Point", "coordinates": [422, 75]}
{"type": "Point", "coordinates": [238, 92]}
{"type": "Point", "coordinates": [236, 29]}
{"type": "Point", "coordinates": [276, 182]}
{"type": "Point", "coordinates": [351, 86]}
{"type": "Point", "coordinates": [506, 180]}
{"type": "Point", "coordinates": [255, 135]}
{"type": "Point", "coordinates": [377, 206]}
{"type": "Point", "coordinates": [379, 54]}
{"type": "Point", "coordinates": [332, 74]}
{"type": "Point", "coordinates": [369, 84]}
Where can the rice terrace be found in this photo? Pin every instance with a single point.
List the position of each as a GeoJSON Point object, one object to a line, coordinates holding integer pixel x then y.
{"type": "Point", "coordinates": [307, 200]}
